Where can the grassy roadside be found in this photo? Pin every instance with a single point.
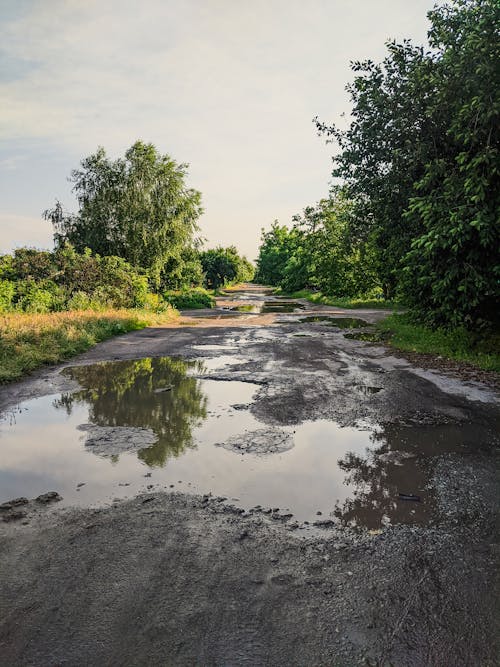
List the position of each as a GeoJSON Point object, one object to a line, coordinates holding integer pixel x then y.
{"type": "Point", "coordinates": [458, 345]}
{"type": "Point", "coordinates": [318, 297]}
{"type": "Point", "coordinates": [28, 341]}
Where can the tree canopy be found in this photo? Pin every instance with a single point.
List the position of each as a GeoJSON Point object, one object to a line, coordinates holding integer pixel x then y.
{"type": "Point", "coordinates": [224, 265]}
{"type": "Point", "coordinates": [419, 163]}
{"type": "Point", "coordinates": [137, 207]}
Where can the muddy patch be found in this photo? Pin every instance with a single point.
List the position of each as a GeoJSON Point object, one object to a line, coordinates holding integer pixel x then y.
{"type": "Point", "coordinates": [261, 442]}
{"type": "Point", "coordinates": [110, 441]}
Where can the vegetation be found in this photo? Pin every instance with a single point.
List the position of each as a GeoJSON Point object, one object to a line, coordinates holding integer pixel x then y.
{"type": "Point", "coordinates": [319, 252]}
{"type": "Point", "coordinates": [137, 208]}
{"type": "Point", "coordinates": [420, 165]}
{"type": "Point", "coordinates": [222, 266]}
{"type": "Point", "coordinates": [37, 281]}
{"type": "Point", "coordinates": [190, 299]}
{"type": "Point", "coordinates": [319, 297]}
{"type": "Point", "coordinates": [28, 341]}
{"type": "Point", "coordinates": [459, 343]}
{"type": "Point", "coordinates": [416, 217]}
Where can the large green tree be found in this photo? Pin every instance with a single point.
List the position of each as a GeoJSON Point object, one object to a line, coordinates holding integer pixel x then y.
{"type": "Point", "coordinates": [452, 273]}
{"type": "Point", "coordinates": [420, 162]}
{"type": "Point", "coordinates": [137, 207]}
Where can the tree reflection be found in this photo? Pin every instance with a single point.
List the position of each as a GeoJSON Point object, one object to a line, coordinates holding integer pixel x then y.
{"type": "Point", "coordinates": [148, 393]}
{"type": "Point", "coordinates": [392, 467]}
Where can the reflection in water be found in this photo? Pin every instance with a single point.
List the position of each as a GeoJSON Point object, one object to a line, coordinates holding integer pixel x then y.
{"type": "Point", "coordinates": [282, 307]}
{"type": "Point", "coordinates": [147, 393]}
{"type": "Point", "coordinates": [353, 475]}
{"type": "Point", "coordinates": [398, 463]}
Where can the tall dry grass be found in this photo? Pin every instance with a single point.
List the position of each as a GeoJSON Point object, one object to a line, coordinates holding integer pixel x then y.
{"type": "Point", "coordinates": [28, 341]}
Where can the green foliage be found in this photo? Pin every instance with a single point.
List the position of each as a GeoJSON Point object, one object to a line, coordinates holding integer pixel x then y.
{"type": "Point", "coordinates": [182, 272]}
{"type": "Point", "coordinates": [7, 292]}
{"type": "Point", "coordinates": [320, 252]}
{"type": "Point", "coordinates": [373, 299]}
{"type": "Point", "coordinates": [222, 266]}
{"type": "Point", "coordinates": [275, 250]}
{"type": "Point", "coordinates": [190, 299]}
{"type": "Point", "coordinates": [137, 208]}
{"type": "Point", "coordinates": [460, 343]}
{"type": "Point", "coordinates": [40, 282]}
{"type": "Point", "coordinates": [452, 273]}
{"type": "Point", "coordinates": [420, 166]}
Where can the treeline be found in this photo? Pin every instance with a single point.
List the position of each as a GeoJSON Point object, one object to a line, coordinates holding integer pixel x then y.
{"type": "Point", "coordinates": [132, 243]}
{"type": "Point", "coordinates": [416, 216]}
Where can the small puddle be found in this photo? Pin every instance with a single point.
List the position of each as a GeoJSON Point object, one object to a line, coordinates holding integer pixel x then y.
{"type": "Point", "coordinates": [247, 308]}
{"type": "Point", "coordinates": [340, 322]}
{"type": "Point", "coordinates": [282, 307]}
{"type": "Point", "coordinates": [159, 424]}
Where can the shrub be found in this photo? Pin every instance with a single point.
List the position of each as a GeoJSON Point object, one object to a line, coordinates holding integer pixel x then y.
{"type": "Point", "coordinates": [80, 301]}
{"type": "Point", "coordinates": [34, 299]}
{"type": "Point", "coordinates": [7, 291]}
{"type": "Point", "coordinates": [191, 298]}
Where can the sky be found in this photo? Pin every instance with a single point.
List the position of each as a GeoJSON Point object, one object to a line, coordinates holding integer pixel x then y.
{"type": "Point", "coordinates": [228, 86]}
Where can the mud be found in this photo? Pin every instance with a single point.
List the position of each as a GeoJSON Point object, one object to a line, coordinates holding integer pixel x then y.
{"type": "Point", "coordinates": [169, 576]}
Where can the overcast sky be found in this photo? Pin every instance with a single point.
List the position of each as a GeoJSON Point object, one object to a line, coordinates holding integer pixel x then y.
{"type": "Point", "coordinates": [229, 86]}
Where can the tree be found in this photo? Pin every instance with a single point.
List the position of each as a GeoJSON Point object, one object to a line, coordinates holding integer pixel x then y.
{"type": "Point", "coordinates": [420, 163]}
{"type": "Point", "coordinates": [224, 265]}
{"type": "Point", "coordinates": [277, 247]}
{"type": "Point", "coordinates": [384, 150]}
{"type": "Point", "coordinates": [137, 207]}
{"type": "Point", "coordinates": [453, 269]}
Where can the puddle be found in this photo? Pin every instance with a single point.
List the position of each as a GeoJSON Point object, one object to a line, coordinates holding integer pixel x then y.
{"type": "Point", "coordinates": [340, 322]}
{"type": "Point", "coordinates": [216, 348]}
{"type": "Point", "coordinates": [247, 308]}
{"type": "Point", "coordinates": [159, 424]}
{"type": "Point", "coordinates": [282, 307]}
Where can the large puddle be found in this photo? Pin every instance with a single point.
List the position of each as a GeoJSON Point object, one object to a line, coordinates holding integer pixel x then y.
{"type": "Point", "coordinates": [153, 424]}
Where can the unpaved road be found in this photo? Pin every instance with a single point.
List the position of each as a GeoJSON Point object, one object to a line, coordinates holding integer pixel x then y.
{"type": "Point", "coordinates": [179, 579]}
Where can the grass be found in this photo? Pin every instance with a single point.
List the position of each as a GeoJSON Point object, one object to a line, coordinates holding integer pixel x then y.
{"type": "Point", "coordinates": [482, 351]}
{"type": "Point", "coordinates": [28, 341]}
{"type": "Point", "coordinates": [318, 297]}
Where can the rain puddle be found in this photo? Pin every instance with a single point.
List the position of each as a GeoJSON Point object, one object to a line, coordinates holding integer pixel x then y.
{"type": "Point", "coordinates": [282, 307]}
{"type": "Point", "coordinates": [340, 322]}
{"type": "Point", "coordinates": [247, 308]}
{"type": "Point", "coordinates": [160, 424]}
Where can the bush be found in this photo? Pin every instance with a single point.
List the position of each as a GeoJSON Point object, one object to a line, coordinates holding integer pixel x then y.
{"type": "Point", "coordinates": [33, 297]}
{"type": "Point", "coordinates": [7, 291]}
{"type": "Point", "coordinates": [191, 298]}
{"type": "Point", "coordinates": [81, 301]}
{"type": "Point", "coordinates": [64, 279]}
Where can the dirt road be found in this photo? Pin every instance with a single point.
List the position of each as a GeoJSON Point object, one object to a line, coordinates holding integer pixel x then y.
{"type": "Point", "coordinates": [201, 569]}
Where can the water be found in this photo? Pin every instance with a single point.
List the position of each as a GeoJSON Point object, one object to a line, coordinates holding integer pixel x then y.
{"type": "Point", "coordinates": [201, 436]}
{"type": "Point", "coordinates": [282, 307]}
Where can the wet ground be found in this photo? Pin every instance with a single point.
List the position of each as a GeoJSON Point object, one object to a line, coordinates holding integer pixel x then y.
{"type": "Point", "coordinates": [256, 486]}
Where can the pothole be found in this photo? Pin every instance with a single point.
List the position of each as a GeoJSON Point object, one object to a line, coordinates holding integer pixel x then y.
{"type": "Point", "coordinates": [165, 424]}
